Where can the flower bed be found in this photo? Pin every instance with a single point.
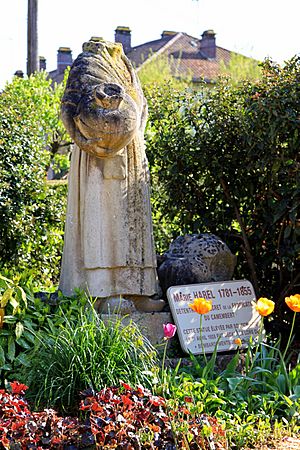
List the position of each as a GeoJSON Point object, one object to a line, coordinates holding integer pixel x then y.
{"type": "Point", "coordinates": [120, 418]}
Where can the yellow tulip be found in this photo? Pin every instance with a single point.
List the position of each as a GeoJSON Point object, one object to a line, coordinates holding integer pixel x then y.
{"type": "Point", "coordinates": [201, 306]}
{"type": "Point", "coordinates": [264, 306]}
{"type": "Point", "coordinates": [238, 342]}
{"type": "Point", "coordinates": [293, 302]}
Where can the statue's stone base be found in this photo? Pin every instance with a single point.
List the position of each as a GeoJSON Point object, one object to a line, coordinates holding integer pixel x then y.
{"type": "Point", "coordinates": [129, 305]}
{"type": "Point", "coordinates": [114, 305]}
{"type": "Point", "coordinates": [150, 324]}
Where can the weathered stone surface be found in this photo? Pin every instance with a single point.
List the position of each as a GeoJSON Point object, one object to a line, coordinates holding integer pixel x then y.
{"type": "Point", "coordinates": [103, 104]}
{"type": "Point", "coordinates": [108, 247]}
{"type": "Point", "coordinates": [129, 305]}
{"type": "Point", "coordinates": [150, 325]}
{"type": "Point", "coordinates": [196, 258]}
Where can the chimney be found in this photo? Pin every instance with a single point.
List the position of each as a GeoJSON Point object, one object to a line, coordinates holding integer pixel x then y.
{"type": "Point", "coordinates": [96, 38]}
{"type": "Point", "coordinates": [167, 33]}
{"type": "Point", "coordinates": [208, 44]}
{"type": "Point", "coordinates": [123, 35]}
{"type": "Point", "coordinates": [19, 73]}
{"type": "Point", "coordinates": [42, 63]}
{"type": "Point", "coordinates": [64, 59]}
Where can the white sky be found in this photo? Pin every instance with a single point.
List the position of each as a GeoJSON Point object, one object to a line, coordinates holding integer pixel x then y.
{"type": "Point", "coordinates": [256, 28]}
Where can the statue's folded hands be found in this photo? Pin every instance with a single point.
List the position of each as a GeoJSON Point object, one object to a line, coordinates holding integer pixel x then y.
{"type": "Point", "coordinates": [106, 120]}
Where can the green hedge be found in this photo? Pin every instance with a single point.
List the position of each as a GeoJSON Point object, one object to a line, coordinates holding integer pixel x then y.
{"type": "Point", "coordinates": [226, 160]}
{"type": "Point", "coordinates": [31, 213]}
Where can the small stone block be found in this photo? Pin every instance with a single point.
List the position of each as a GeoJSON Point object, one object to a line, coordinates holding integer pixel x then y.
{"type": "Point", "coordinates": [150, 324]}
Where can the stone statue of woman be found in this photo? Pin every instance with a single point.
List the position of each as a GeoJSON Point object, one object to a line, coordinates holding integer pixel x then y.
{"type": "Point", "coordinates": [108, 246]}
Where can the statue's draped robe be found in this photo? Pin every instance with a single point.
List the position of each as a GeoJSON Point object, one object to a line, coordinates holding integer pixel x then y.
{"type": "Point", "coordinates": [108, 245]}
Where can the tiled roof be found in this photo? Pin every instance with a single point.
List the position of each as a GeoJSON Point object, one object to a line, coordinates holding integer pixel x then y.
{"type": "Point", "coordinates": [139, 54]}
{"type": "Point", "coordinates": [188, 58]}
{"type": "Point", "coordinates": [199, 68]}
{"type": "Point", "coordinates": [56, 76]}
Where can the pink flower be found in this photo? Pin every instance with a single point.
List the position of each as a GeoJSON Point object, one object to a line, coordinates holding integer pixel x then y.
{"type": "Point", "coordinates": [169, 330]}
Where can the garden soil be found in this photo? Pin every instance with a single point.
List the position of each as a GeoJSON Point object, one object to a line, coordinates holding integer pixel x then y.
{"type": "Point", "coordinates": [286, 443]}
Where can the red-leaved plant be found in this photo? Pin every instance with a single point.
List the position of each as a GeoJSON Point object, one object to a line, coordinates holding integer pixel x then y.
{"type": "Point", "coordinates": [22, 429]}
{"type": "Point", "coordinates": [134, 419]}
{"type": "Point", "coordinates": [119, 418]}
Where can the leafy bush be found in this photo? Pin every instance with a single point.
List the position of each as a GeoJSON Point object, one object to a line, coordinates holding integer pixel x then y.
{"type": "Point", "coordinates": [42, 251]}
{"type": "Point", "coordinates": [30, 216]}
{"type": "Point", "coordinates": [40, 241]}
{"type": "Point", "coordinates": [80, 351]}
{"type": "Point", "coordinates": [22, 314]}
{"type": "Point", "coordinates": [226, 161]}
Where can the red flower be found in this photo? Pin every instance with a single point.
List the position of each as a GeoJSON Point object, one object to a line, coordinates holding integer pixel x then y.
{"type": "Point", "coordinates": [84, 406]}
{"type": "Point", "coordinates": [18, 388]}
{"type": "Point", "coordinates": [143, 415]}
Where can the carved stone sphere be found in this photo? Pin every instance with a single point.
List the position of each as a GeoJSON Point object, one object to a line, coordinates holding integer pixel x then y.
{"type": "Point", "coordinates": [196, 258]}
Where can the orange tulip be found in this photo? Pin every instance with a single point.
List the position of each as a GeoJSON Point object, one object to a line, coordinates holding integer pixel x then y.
{"type": "Point", "coordinates": [1, 317]}
{"type": "Point", "coordinates": [293, 302]}
{"type": "Point", "coordinates": [238, 342]}
{"type": "Point", "coordinates": [264, 306]}
{"type": "Point", "coordinates": [201, 306]}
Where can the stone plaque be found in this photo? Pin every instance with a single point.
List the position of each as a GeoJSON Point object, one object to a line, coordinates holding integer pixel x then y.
{"type": "Point", "coordinates": [233, 315]}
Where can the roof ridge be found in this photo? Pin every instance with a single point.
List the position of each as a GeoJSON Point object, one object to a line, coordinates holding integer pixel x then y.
{"type": "Point", "coordinates": [161, 50]}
